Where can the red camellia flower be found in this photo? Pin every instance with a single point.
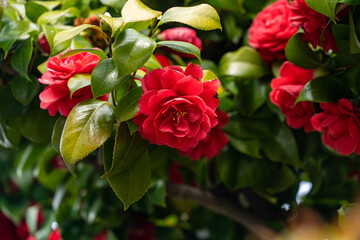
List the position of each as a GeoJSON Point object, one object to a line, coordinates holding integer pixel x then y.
{"type": "Point", "coordinates": [341, 126]}
{"type": "Point", "coordinates": [213, 143]}
{"type": "Point", "coordinates": [55, 235]}
{"type": "Point", "coordinates": [313, 24]}
{"type": "Point", "coordinates": [56, 96]}
{"type": "Point", "coordinates": [271, 30]}
{"type": "Point", "coordinates": [183, 34]}
{"type": "Point", "coordinates": [176, 108]}
{"type": "Point", "coordinates": [285, 90]}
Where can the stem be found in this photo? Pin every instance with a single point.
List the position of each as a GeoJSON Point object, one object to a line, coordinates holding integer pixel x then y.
{"type": "Point", "coordinates": [223, 206]}
{"type": "Point", "coordinates": [113, 97]}
{"type": "Point", "coordinates": [131, 81]}
{"type": "Point", "coordinates": [32, 62]}
{"type": "Point", "coordinates": [110, 47]}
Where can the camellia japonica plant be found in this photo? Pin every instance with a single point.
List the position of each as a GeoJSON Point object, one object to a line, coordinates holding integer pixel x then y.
{"type": "Point", "coordinates": [217, 119]}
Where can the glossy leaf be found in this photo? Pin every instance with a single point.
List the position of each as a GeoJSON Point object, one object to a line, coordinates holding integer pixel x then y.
{"type": "Point", "coordinates": [115, 4]}
{"type": "Point", "coordinates": [98, 52]}
{"type": "Point", "coordinates": [13, 31]}
{"type": "Point", "coordinates": [324, 89]}
{"type": "Point", "coordinates": [127, 149]}
{"type": "Point", "coordinates": [128, 105]}
{"type": "Point", "coordinates": [57, 132]}
{"type": "Point", "coordinates": [21, 58]}
{"type": "Point", "coordinates": [248, 146]}
{"type": "Point", "coordinates": [326, 7]}
{"type": "Point", "coordinates": [72, 32]}
{"type": "Point", "coordinates": [104, 78]}
{"type": "Point", "coordinates": [90, 119]}
{"type": "Point", "coordinates": [23, 90]}
{"type": "Point", "coordinates": [136, 11]}
{"type": "Point", "coordinates": [157, 193]}
{"type": "Point", "coordinates": [131, 51]}
{"type": "Point", "coordinates": [245, 63]}
{"type": "Point", "coordinates": [183, 47]}
{"type": "Point", "coordinates": [299, 53]}
{"type": "Point", "coordinates": [203, 17]}
{"type": "Point", "coordinates": [132, 184]}
{"type": "Point", "coordinates": [349, 2]}
{"type": "Point", "coordinates": [4, 138]}
{"type": "Point", "coordinates": [78, 81]}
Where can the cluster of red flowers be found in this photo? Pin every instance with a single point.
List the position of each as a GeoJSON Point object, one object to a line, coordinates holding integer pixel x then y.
{"type": "Point", "coordinates": [176, 109]}
{"type": "Point", "coordinates": [272, 28]}
{"type": "Point", "coordinates": [276, 24]}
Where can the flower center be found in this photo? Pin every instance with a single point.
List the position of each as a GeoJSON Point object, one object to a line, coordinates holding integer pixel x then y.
{"type": "Point", "coordinates": [176, 115]}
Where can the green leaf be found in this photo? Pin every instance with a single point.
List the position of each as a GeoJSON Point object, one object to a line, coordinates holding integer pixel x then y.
{"type": "Point", "coordinates": [34, 10]}
{"type": "Point", "coordinates": [90, 119]}
{"type": "Point", "coordinates": [50, 5]}
{"type": "Point", "coordinates": [57, 16]}
{"type": "Point", "coordinates": [104, 78]}
{"type": "Point", "coordinates": [13, 31]}
{"type": "Point", "coordinates": [128, 105]}
{"type": "Point", "coordinates": [21, 58]}
{"type": "Point", "coordinates": [78, 81]}
{"type": "Point", "coordinates": [2, 9]}
{"type": "Point", "coordinates": [98, 52]}
{"type": "Point", "coordinates": [72, 32]}
{"type": "Point", "coordinates": [127, 149]}
{"type": "Point", "coordinates": [57, 132]}
{"type": "Point", "coordinates": [326, 7]}
{"type": "Point", "coordinates": [136, 11]}
{"type": "Point", "coordinates": [209, 75]}
{"type": "Point", "coordinates": [203, 17]}
{"type": "Point", "coordinates": [4, 138]}
{"type": "Point", "coordinates": [237, 172]}
{"type": "Point", "coordinates": [50, 33]}
{"type": "Point", "coordinates": [245, 63]}
{"type": "Point", "coordinates": [251, 97]}
{"type": "Point", "coordinates": [282, 147]}
{"type": "Point", "coordinates": [132, 184]}
{"type": "Point", "coordinates": [157, 193]}
{"type": "Point", "coordinates": [27, 158]}
{"type": "Point", "coordinates": [23, 90]}
{"type": "Point", "coordinates": [49, 177]}
{"type": "Point", "coordinates": [183, 47]}
{"type": "Point", "coordinates": [115, 23]}
{"type": "Point", "coordinates": [248, 146]}
{"type": "Point", "coordinates": [349, 2]}
{"type": "Point", "coordinates": [324, 89]}
{"type": "Point", "coordinates": [115, 4]}
{"type": "Point", "coordinates": [131, 51]}
{"type": "Point", "coordinates": [31, 218]}
{"type": "Point", "coordinates": [36, 124]}
{"type": "Point", "coordinates": [299, 53]}
{"type": "Point", "coordinates": [353, 38]}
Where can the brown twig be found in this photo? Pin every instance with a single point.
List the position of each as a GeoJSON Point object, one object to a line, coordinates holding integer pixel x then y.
{"type": "Point", "coordinates": [223, 206]}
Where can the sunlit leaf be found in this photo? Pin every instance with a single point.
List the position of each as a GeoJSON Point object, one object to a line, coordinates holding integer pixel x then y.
{"type": "Point", "coordinates": [90, 119]}
{"type": "Point", "coordinates": [183, 47]}
{"type": "Point", "coordinates": [203, 17]}
{"type": "Point", "coordinates": [136, 11]}
{"type": "Point", "coordinates": [78, 81]}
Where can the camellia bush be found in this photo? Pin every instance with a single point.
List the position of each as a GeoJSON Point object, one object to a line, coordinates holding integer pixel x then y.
{"type": "Point", "coordinates": [216, 119]}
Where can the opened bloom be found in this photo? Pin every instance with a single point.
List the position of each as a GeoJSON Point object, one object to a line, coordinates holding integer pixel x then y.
{"type": "Point", "coordinates": [182, 34]}
{"type": "Point", "coordinates": [271, 30]}
{"type": "Point", "coordinates": [177, 109]}
{"type": "Point", "coordinates": [340, 124]}
{"type": "Point", "coordinates": [314, 24]}
{"type": "Point", "coordinates": [215, 141]}
{"type": "Point", "coordinates": [286, 89]}
{"type": "Point", "coordinates": [56, 97]}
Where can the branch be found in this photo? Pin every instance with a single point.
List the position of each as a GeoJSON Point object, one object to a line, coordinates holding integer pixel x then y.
{"type": "Point", "coordinates": [223, 206]}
